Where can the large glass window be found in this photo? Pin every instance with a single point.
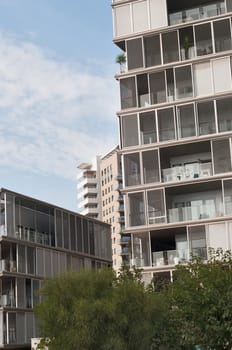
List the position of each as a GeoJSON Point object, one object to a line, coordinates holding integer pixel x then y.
{"type": "Point", "coordinates": [132, 169]}
{"type": "Point", "coordinates": [228, 196]}
{"type": "Point", "coordinates": [157, 87]}
{"type": "Point", "coordinates": [224, 114]}
{"type": "Point", "coordinates": [136, 209]}
{"type": "Point", "coordinates": [72, 232]}
{"type": "Point", "coordinates": [206, 118]}
{"type": "Point", "coordinates": [202, 79]}
{"type": "Point", "coordinates": [166, 124]}
{"type": "Point", "coordinates": [170, 85]}
{"type": "Point", "coordinates": [134, 53]}
{"type": "Point", "coordinates": [129, 130]}
{"type": "Point", "coordinates": [203, 39]}
{"type": "Point", "coordinates": [141, 250]}
{"type": "Point", "coordinates": [148, 127]}
{"type": "Point", "coordinates": [142, 86]}
{"type": "Point", "coordinates": [152, 50]}
{"type": "Point", "coordinates": [128, 93]}
{"type": "Point", "coordinates": [156, 211]}
{"type": "Point", "coordinates": [150, 166]}
{"type": "Point", "coordinates": [187, 49]}
{"type": "Point", "coordinates": [197, 239]}
{"type": "Point", "coordinates": [221, 74]}
{"type": "Point", "coordinates": [221, 156]}
{"type": "Point", "coordinates": [186, 121]}
{"type": "Point", "coordinates": [170, 47]}
{"type": "Point", "coordinates": [66, 230]}
{"type": "Point", "coordinates": [79, 234]}
{"type": "Point", "coordinates": [184, 86]}
{"type": "Point", "coordinates": [59, 238]}
{"type": "Point", "coordinates": [222, 35]}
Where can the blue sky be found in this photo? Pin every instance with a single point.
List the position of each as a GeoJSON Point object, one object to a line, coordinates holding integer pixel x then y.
{"type": "Point", "coordinates": [58, 96]}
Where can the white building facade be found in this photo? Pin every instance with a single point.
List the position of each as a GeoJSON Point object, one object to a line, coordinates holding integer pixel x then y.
{"type": "Point", "coordinates": [175, 128]}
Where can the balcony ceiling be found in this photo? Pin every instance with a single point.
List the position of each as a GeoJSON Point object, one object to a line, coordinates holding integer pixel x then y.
{"type": "Point", "coordinates": [194, 188]}
{"type": "Point", "coordinates": [180, 5]}
{"type": "Point", "coordinates": [189, 148]}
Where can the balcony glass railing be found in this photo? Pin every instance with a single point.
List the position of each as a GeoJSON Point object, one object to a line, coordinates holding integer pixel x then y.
{"type": "Point", "coordinates": [193, 171]}
{"type": "Point", "coordinates": [194, 14]}
{"type": "Point", "coordinates": [194, 212]}
{"type": "Point", "coordinates": [175, 257]}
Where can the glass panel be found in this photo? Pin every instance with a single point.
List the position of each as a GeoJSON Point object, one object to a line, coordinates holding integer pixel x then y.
{"type": "Point", "coordinates": [228, 196]}
{"type": "Point", "coordinates": [132, 169]}
{"type": "Point", "coordinates": [186, 121]}
{"type": "Point", "coordinates": [157, 87]}
{"type": "Point", "coordinates": [141, 250]}
{"type": "Point", "coordinates": [147, 127]}
{"type": "Point", "coordinates": [206, 118]}
{"type": "Point", "coordinates": [222, 35]}
{"type": "Point", "coordinates": [129, 130]}
{"type": "Point", "coordinates": [30, 260]}
{"type": "Point", "coordinates": [72, 232]}
{"type": "Point", "coordinates": [128, 94]}
{"type": "Point", "coordinates": [142, 86]}
{"type": "Point", "coordinates": [221, 156]}
{"type": "Point", "coordinates": [152, 50]}
{"type": "Point", "coordinates": [184, 86]}
{"type": "Point", "coordinates": [136, 207]}
{"type": "Point", "coordinates": [166, 124]}
{"type": "Point", "coordinates": [79, 234]}
{"type": "Point", "coordinates": [36, 287]}
{"type": "Point", "coordinates": [134, 53]}
{"type": "Point", "coordinates": [170, 85]}
{"type": "Point", "coordinates": [21, 259]}
{"type": "Point", "coordinates": [28, 294]}
{"type": "Point", "coordinates": [12, 327]}
{"type": "Point", "coordinates": [10, 215]}
{"type": "Point", "coordinates": [197, 238]}
{"type": "Point", "coordinates": [59, 238]}
{"type": "Point", "coordinates": [202, 79]}
{"type": "Point", "coordinates": [224, 114]}
{"type": "Point", "coordinates": [170, 47]}
{"type": "Point", "coordinates": [221, 74]}
{"type": "Point", "coordinates": [150, 166]}
{"type": "Point", "coordinates": [66, 230]}
{"type": "Point", "coordinates": [203, 39]}
{"type": "Point", "coordinates": [187, 49]}
{"type": "Point", "coordinates": [85, 236]}
{"type": "Point", "coordinates": [229, 5]}
{"type": "Point", "coordinates": [91, 238]}
{"type": "Point", "coordinates": [156, 212]}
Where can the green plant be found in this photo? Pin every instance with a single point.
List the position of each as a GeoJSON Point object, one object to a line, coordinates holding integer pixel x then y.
{"type": "Point", "coordinates": [121, 60]}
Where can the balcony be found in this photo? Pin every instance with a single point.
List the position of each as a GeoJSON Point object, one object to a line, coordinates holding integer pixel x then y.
{"type": "Point", "coordinates": [7, 265]}
{"type": "Point", "coordinates": [179, 173]}
{"type": "Point", "coordinates": [125, 240]}
{"type": "Point", "coordinates": [175, 257]}
{"type": "Point", "coordinates": [8, 299]}
{"type": "Point", "coordinates": [195, 212]}
{"type": "Point", "coordinates": [194, 14]}
{"type": "Point", "coordinates": [121, 219]}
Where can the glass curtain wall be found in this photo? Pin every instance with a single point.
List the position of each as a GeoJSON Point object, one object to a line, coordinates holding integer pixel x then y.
{"type": "Point", "coordinates": [129, 126]}
{"type": "Point", "coordinates": [136, 208]}
{"type": "Point", "coordinates": [148, 127]}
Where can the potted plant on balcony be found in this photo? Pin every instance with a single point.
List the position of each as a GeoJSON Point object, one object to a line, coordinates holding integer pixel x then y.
{"type": "Point", "coordinates": [121, 60]}
{"type": "Point", "coordinates": [186, 45]}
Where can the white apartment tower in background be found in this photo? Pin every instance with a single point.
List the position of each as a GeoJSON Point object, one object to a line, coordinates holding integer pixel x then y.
{"type": "Point", "coordinates": [175, 128]}
{"type": "Point", "coordinates": [88, 189]}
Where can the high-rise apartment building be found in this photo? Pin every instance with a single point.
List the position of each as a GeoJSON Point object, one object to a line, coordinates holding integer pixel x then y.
{"type": "Point", "coordinates": [37, 241]}
{"type": "Point", "coordinates": [108, 176]}
{"type": "Point", "coordinates": [88, 189]}
{"type": "Point", "coordinates": [175, 128]}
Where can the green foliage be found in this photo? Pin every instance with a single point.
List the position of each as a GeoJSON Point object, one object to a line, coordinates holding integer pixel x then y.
{"type": "Point", "coordinates": [121, 58]}
{"type": "Point", "coordinates": [97, 310]}
{"type": "Point", "coordinates": [200, 305]}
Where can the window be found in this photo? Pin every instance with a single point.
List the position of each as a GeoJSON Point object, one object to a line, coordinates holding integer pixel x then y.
{"type": "Point", "coordinates": [202, 79]}
{"type": "Point", "coordinates": [147, 127]}
{"type": "Point", "coordinates": [203, 39]}
{"type": "Point", "coordinates": [152, 50]}
{"type": "Point", "coordinates": [222, 35]}
{"type": "Point", "coordinates": [187, 49]}
{"type": "Point", "coordinates": [224, 114]}
{"type": "Point", "coordinates": [166, 124]}
{"type": "Point", "coordinates": [157, 87]}
{"type": "Point", "coordinates": [186, 121]}
{"type": "Point", "coordinates": [129, 130]}
{"type": "Point", "coordinates": [206, 118]}
{"type": "Point", "coordinates": [142, 86]}
{"type": "Point", "coordinates": [132, 169]}
{"type": "Point", "coordinates": [136, 209]}
{"type": "Point", "coordinates": [184, 86]}
{"type": "Point", "coordinates": [156, 211]}
{"type": "Point", "coordinates": [221, 74]}
{"type": "Point", "coordinates": [221, 156]}
{"type": "Point", "coordinates": [134, 53]}
{"type": "Point", "coordinates": [150, 166]}
{"type": "Point", "coordinates": [141, 249]}
{"type": "Point", "coordinates": [228, 196]}
{"type": "Point", "coordinates": [128, 94]}
{"type": "Point", "coordinates": [170, 47]}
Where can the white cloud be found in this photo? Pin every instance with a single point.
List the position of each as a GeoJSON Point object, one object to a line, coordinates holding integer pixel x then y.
{"type": "Point", "coordinates": [53, 114]}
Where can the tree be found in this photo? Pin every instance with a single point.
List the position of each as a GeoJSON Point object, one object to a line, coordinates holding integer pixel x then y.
{"type": "Point", "coordinates": [200, 305]}
{"type": "Point", "coordinates": [121, 60]}
{"type": "Point", "coordinates": [97, 310]}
